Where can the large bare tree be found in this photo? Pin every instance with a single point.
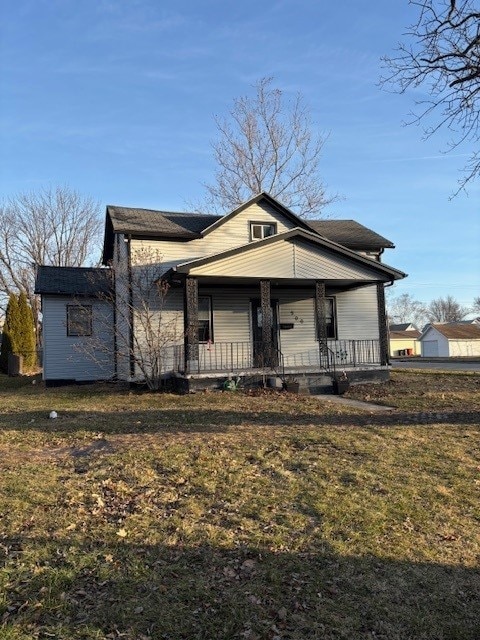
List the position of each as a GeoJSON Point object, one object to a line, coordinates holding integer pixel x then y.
{"type": "Point", "coordinates": [442, 54]}
{"type": "Point", "coordinates": [268, 144]}
{"type": "Point", "coordinates": [406, 309]}
{"type": "Point", "coordinates": [52, 226]}
{"type": "Point", "coordinates": [446, 310]}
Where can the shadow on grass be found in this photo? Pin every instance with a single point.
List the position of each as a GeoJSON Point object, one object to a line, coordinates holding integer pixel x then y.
{"type": "Point", "coordinates": [191, 420]}
{"type": "Point", "coordinates": [92, 589]}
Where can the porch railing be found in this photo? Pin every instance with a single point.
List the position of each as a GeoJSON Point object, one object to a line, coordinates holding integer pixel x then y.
{"type": "Point", "coordinates": [239, 356]}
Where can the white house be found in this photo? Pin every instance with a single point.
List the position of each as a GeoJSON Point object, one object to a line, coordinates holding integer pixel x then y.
{"type": "Point", "coordinates": [451, 339]}
{"type": "Point", "coordinates": [256, 290]}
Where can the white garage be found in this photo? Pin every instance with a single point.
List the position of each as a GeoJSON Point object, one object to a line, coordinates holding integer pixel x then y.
{"type": "Point", "coordinates": [450, 339]}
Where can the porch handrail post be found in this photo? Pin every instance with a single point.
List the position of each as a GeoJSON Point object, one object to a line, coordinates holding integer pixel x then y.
{"type": "Point", "coordinates": [266, 307]}
{"type": "Point", "coordinates": [190, 310]}
{"type": "Point", "coordinates": [382, 325]}
{"type": "Point", "coordinates": [321, 320]}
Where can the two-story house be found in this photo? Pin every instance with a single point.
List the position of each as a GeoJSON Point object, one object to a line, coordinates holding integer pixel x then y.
{"type": "Point", "coordinates": [256, 291]}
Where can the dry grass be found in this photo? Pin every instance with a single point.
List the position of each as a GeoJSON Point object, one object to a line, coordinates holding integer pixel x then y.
{"type": "Point", "coordinates": [231, 516]}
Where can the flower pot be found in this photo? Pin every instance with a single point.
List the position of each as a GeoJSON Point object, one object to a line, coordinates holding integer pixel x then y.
{"type": "Point", "coordinates": [340, 386]}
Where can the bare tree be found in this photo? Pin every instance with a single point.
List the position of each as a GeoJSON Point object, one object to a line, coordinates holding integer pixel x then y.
{"type": "Point", "coordinates": [268, 145]}
{"type": "Point", "coordinates": [52, 226]}
{"type": "Point", "coordinates": [446, 310]}
{"type": "Point", "coordinates": [443, 55]}
{"type": "Point", "coordinates": [476, 305]}
{"type": "Point", "coordinates": [148, 325]}
{"type": "Point", "coordinates": [405, 309]}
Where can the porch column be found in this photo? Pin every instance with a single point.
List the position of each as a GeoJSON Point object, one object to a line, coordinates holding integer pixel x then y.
{"type": "Point", "coordinates": [382, 324]}
{"type": "Point", "coordinates": [190, 310]}
{"type": "Point", "coordinates": [321, 322]}
{"type": "Point", "coordinates": [266, 306]}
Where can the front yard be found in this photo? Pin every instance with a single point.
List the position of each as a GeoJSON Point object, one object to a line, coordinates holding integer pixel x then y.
{"type": "Point", "coordinates": [224, 515]}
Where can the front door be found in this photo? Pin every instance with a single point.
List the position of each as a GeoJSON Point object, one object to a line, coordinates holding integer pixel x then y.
{"type": "Point", "coordinates": [260, 356]}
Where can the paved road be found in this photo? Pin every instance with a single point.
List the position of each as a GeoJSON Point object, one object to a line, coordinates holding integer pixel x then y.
{"type": "Point", "coordinates": [453, 365]}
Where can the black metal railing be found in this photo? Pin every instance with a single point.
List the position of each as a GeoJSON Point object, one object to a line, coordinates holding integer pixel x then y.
{"type": "Point", "coordinates": [239, 356]}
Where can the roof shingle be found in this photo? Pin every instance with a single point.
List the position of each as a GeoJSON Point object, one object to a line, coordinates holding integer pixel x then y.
{"type": "Point", "coordinates": [78, 281]}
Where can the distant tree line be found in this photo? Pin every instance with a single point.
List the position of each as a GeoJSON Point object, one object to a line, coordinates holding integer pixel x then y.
{"type": "Point", "coordinates": [405, 308]}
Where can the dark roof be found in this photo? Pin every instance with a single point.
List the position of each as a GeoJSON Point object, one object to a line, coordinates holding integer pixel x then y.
{"type": "Point", "coordinates": [402, 327]}
{"type": "Point", "coordinates": [188, 226]}
{"type": "Point", "coordinates": [351, 234]}
{"type": "Point", "coordinates": [79, 281]}
{"type": "Point", "coordinates": [405, 335]}
{"type": "Point", "coordinates": [457, 330]}
{"type": "Point", "coordinates": [167, 224]}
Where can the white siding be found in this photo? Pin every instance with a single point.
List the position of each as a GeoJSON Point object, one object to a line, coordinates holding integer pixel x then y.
{"type": "Point", "coordinates": [234, 233]}
{"type": "Point", "coordinates": [287, 259]}
{"type": "Point", "coordinates": [77, 358]}
{"type": "Point", "coordinates": [464, 347]}
{"type": "Point", "coordinates": [357, 314]}
{"type": "Point", "coordinates": [430, 336]}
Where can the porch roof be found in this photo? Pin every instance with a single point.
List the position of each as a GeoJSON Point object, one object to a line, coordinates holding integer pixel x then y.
{"type": "Point", "coordinates": [294, 255]}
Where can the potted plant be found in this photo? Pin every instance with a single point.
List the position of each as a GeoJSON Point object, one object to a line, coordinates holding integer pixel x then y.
{"type": "Point", "coordinates": [341, 383]}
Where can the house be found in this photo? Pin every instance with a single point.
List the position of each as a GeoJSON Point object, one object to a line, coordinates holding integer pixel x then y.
{"type": "Point", "coordinates": [451, 339]}
{"type": "Point", "coordinates": [256, 292]}
{"type": "Point", "coordinates": [404, 342]}
{"type": "Point", "coordinates": [405, 326]}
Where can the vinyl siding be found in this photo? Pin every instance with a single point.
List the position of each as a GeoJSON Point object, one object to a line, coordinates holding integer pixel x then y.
{"type": "Point", "coordinates": [464, 347]}
{"type": "Point", "coordinates": [77, 358]}
{"type": "Point", "coordinates": [287, 259]}
{"type": "Point", "coordinates": [234, 233]}
{"type": "Point", "coordinates": [357, 314]}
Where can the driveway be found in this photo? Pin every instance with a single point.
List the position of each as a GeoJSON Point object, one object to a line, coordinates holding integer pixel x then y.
{"type": "Point", "coordinates": [441, 364]}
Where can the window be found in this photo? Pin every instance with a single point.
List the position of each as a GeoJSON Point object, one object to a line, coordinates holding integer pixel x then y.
{"type": "Point", "coordinates": [79, 320]}
{"type": "Point", "coordinates": [260, 230]}
{"type": "Point", "coordinates": [205, 320]}
{"type": "Point", "coordinates": [330, 318]}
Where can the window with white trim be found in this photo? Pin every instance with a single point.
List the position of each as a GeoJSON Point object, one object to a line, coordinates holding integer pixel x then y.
{"type": "Point", "coordinates": [260, 230]}
{"type": "Point", "coordinates": [205, 319]}
{"type": "Point", "coordinates": [79, 320]}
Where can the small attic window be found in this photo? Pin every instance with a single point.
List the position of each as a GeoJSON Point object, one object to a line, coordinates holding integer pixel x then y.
{"type": "Point", "coordinates": [260, 230]}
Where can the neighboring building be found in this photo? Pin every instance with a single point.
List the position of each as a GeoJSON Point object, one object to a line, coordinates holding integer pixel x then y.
{"type": "Point", "coordinates": [450, 339]}
{"type": "Point", "coordinates": [406, 326]}
{"type": "Point", "coordinates": [259, 290]}
{"type": "Point", "coordinates": [404, 342]}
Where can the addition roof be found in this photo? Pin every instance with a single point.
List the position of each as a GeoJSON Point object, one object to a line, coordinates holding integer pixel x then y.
{"type": "Point", "coordinates": [456, 330]}
{"type": "Point", "coordinates": [79, 281]}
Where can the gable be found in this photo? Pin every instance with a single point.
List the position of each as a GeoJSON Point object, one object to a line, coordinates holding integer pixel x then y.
{"type": "Point", "coordinates": [295, 254]}
{"type": "Point", "coordinates": [454, 331]}
{"type": "Point", "coordinates": [266, 208]}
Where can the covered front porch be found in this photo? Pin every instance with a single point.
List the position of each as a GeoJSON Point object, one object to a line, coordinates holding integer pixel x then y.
{"type": "Point", "coordinates": [294, 304]}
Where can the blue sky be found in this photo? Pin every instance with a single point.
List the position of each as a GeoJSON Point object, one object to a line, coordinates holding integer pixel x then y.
{"type": "Point", "coordinates": [116, 99]}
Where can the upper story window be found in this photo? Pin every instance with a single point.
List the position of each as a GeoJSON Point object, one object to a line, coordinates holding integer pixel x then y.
{"type": "Point", "coordinates": [79, 320]}
{"type": "Point", "coordinates": [260, 230]}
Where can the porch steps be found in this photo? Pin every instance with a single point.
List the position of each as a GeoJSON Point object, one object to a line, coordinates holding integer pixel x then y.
{"type": "Point", "coordinates": [314, 384]}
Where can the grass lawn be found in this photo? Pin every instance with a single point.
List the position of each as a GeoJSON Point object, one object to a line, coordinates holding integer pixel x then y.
{"type": "Point", "coordinates": [224, 515]}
